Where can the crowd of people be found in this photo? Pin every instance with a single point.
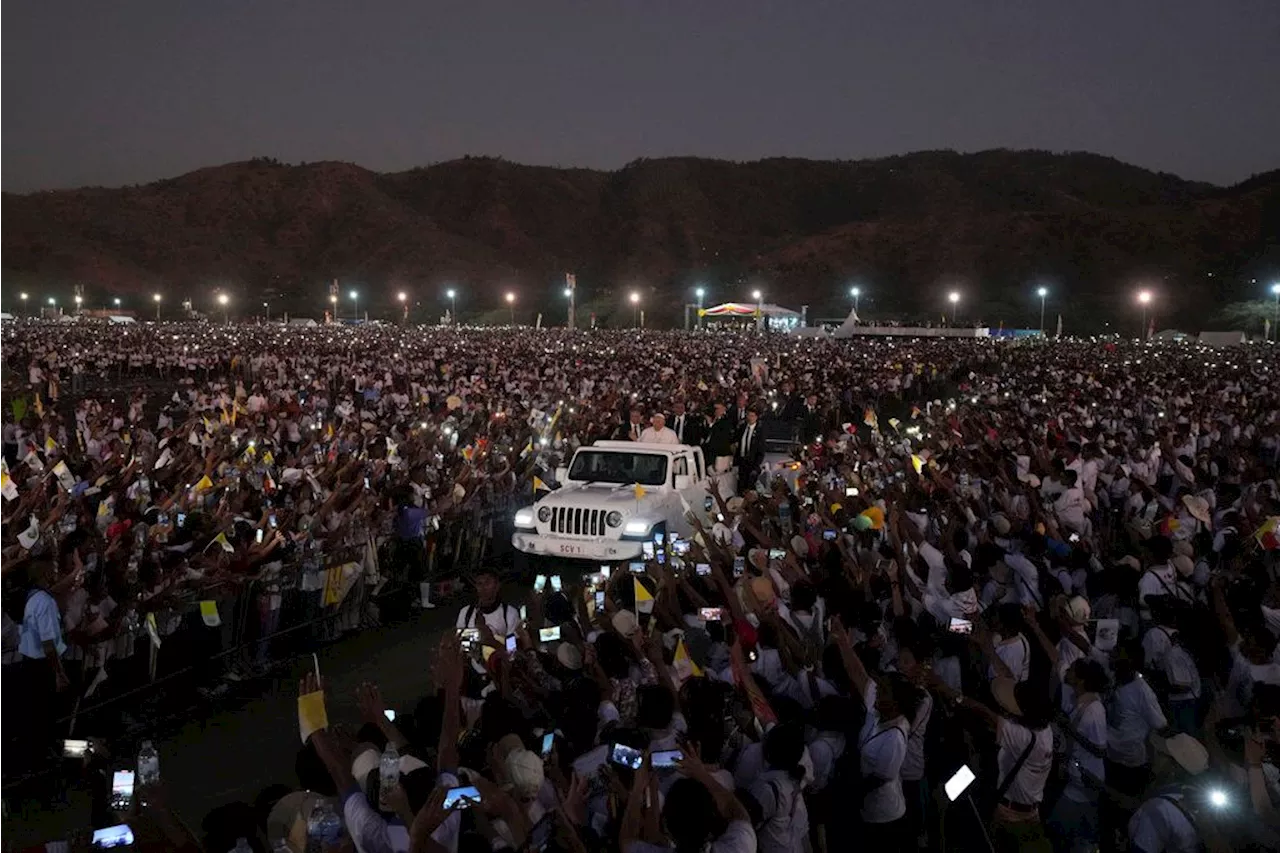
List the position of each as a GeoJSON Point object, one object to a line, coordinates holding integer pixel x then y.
{"type": "Point", "coordinates": [1018, 595]}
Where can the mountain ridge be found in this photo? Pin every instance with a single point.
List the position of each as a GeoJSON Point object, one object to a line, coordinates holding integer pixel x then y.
{"type": "Point", "coordinates": [907, 227]}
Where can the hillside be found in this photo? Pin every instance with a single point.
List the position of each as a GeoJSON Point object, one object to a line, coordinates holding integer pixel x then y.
{"type": "Point", "coordinates": [908, 227]}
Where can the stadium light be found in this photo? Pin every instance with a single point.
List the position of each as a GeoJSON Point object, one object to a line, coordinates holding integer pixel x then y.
{"type": "Point", "coordinates": [1144, 299]}
{"type": "Point", "coordinates": [1042, 293]}
{"type": "Point", "coordinates": [1275, 321]}
{"type": "Point", "coordinates": [955, 302]}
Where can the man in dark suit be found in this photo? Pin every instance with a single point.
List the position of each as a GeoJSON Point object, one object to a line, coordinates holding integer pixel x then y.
{"type": "Point", "coordinates": [750, 453]}
{"type": "Point", "coordinates": [717, 438]}
{"type": "Point", "coordinates": [812, 423]}
{"type": "Point", "coordinates": [738, 414]}
{"type": "Point", "coordinates": [631, 428]}
{"type": "Point", "coordinates": [685, 425]}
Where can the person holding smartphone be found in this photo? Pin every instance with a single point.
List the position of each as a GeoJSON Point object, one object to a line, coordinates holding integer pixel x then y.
{"type": "Point", "coordinates": [488, 608]}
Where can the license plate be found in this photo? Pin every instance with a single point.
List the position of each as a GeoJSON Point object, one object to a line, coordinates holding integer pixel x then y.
{"type": "Point", "coordinates": [571, 549]}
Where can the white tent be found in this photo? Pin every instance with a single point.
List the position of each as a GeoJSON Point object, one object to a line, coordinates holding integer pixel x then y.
{"type": "Point", "coordinates": [845, 329]}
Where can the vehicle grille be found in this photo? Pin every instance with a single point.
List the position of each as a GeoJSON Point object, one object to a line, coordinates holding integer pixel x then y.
{"type": "Point", "coordinates": [577, 521]}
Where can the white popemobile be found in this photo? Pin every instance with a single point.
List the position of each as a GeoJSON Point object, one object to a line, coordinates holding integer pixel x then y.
{"type": "Point", "coordinates": [614, 496]}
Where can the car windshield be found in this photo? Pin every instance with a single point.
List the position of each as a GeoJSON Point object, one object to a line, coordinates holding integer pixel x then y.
{"type": "Point", "coordinates": [600, 466]}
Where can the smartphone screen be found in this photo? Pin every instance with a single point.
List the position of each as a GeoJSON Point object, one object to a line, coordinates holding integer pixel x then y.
{"type": "Point", "coordinates": [75, 748]}
{"type": "Point", "coordinates": [637, 568]}
{"type": "Point", "coordinates": [539, 583]}
{"type": "Point", "coordinates": [556, 584]}
{"type": "Point", "coordinates": [956, 785]}
{"type": "Point", "coordinates": [548, 740]}
{"type": "Point", "coordinates": [666, 758]}
{"type": "Point", "coordinates": [960, 626]}
{"type": "Point", "coordinates": [182, 519]}
{"type": "Point", "coordinates": [549, 635]}
{"type": "Point", "coordinates": [626, 756]}
{"type": "Point", "coordinates": [271, 519]}
{"type": "Point", "coordinates": [122, 790]}
{"type": "Point", "coordinates": [829, 535]}
{"type": "Point", "coordinates": [389, 714]}
{"type": "Point", "coordinates": [709, 614]}
{"type": "Point", "coordinates": [258, 536]}
{"type": "Point", "coordinates": [702, 568]}
{"type": "Point", "coordinates": [851, 492]}
{"type": "Point", "coordinates": [646, 550]}
{"type": "Point", "coordinates": [511, 644]}
{"type": "Point", "coordinates": [739, 566]}
{"type": "Point", "coordinates": [777, 553]}
{"type": "Point", "coordinates": [708, 503]}
{"type": "Point", "coordinates": [366, 482]}
{"type": "Point", "coordinates": [110, 837]}
{"type": "Point", "coordinates": [524, 612]}
{"type": "Point", "coordinates": [600, 600]}
{"type": "Point", "coordinates": [462, 798]}
{"type": "Point", "coordinates": [606, 570]}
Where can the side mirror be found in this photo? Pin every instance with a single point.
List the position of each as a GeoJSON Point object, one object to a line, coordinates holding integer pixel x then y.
{"type": "Point", "coordinates": [683, 481]}
{"type": "Point", "coordinates": [562, 474]}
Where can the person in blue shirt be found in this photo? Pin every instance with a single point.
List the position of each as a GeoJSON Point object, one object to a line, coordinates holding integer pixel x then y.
{"type": "Point", "coordinates": [40, 646]}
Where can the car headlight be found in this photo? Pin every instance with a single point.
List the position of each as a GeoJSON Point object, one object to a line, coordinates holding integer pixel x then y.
{"type": "Point", "coordinates": [524, 517]}
{"type": "Point", "coordinates": [544, 514]}
{"type": "Point", "coordinates": [613, 519]}
{"type": "Point", "coordinates": [637, 527]}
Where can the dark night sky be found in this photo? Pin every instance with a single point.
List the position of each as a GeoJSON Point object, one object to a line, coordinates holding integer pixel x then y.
{"type": "Point", "coordinates": [122, 92]}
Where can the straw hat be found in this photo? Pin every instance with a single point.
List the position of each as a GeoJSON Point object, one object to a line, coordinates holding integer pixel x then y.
{"type": "Point", "coordinates": [1197, 506]}
{"type": "Point", "coordinates": [1078, 610]}
{"type": "Point", "coordinates": [1184, 565]}
{"type": "Point", "coordinates": [1187, 752]}
{"type": "Point", "coordinates": [1000, 524]}
{"type": "Point", "coordinates": [625, 623]}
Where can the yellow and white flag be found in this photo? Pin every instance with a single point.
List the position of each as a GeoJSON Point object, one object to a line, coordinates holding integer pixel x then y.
{"type": "Point", "coordinates": [644, 598]}
{"type": "Point", "coordinates": [683, 664]}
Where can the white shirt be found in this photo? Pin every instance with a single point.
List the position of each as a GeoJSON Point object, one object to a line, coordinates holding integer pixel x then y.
{"type": "Point", "coordinates": [786, 818]}
{"type": "Point", "coordinates": [738, 837]}
{"type": "Point", "coordinates": [1157, 580]}
{"type": "Point", "coordinates": [502, 621]}
{"type": "Point", "coordinates": [1016, 654]}
{"type": "Point", "coordinates": [1027, 788]}
{"type": "Point", "coordinates": [1158, 826]}
{"type": "Point", "coordinates": [882, 749]}
{"type": "Point", "coordinates": [1090, 723]}
{"type": "Point", "coordinates": [913, 763]}
{"type": "Point", "coordinates": [1132, 714]}
{"type": "Point", "coordinates": [659, 436]}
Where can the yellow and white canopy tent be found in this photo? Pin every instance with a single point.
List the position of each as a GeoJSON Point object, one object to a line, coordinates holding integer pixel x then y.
{"type": "Point", "coordinates": [776, 316]}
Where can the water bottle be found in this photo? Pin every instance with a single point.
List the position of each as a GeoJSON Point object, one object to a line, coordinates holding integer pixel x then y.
{"type": "Point", "coordinates": [324, 827]}
{"type": "Point", "coordinates": [242, 846]}
{"type": "Point", "coordinates": [148, 764]}
{"type": "Point", "coordinates": [388, 775]}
